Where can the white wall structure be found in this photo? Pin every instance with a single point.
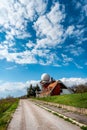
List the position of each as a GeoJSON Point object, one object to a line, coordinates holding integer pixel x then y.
{"type": "Point", "coordinates": [66, 91]}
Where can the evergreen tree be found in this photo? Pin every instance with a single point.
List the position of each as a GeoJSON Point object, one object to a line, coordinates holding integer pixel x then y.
{"type": "Point", "coordinates": [31, 91]}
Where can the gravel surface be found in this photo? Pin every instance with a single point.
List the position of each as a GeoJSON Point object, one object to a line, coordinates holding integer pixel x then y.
{"type": "Point", "coordinates": [28, 116]}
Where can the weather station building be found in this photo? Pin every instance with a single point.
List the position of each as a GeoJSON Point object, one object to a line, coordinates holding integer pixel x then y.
{"type": "Point", "coordinates": [51, 87]}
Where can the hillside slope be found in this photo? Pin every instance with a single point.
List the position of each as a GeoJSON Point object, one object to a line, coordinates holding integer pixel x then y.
{"type": "Point", "coordinates": [76, 100]}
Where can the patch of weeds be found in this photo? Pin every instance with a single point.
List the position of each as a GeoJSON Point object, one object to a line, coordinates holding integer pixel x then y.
{"type": "Point", "coordinates": [59, 106]}
{"type": "Point", "coordinates": [84, 127]}
{"type": "Point", "coordinates": [49, 110]}
{"type": "Point", "coordinates": [55, 113]}
{"type": "Point", "coordinates": [67, 119]}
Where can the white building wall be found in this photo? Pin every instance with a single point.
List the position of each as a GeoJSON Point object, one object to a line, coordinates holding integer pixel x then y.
{"type": "Point", "coordinates": [65, 91]}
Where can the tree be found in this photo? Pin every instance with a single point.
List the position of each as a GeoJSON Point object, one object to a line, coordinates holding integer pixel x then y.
{"type": "Point", "coordinates": [81, 88]}
{"type": "Point", "coordinates": [37, 87]}
{"type": "Point", "coordinates": [31, 91]}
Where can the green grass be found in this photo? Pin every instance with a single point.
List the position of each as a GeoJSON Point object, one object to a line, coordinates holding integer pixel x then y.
{"type": "Point", "coordinates": [7, 108]}
{"type": "Point", "coordinates": [76, 100]}
{"type": "Point", "coordinates": [84, 128]}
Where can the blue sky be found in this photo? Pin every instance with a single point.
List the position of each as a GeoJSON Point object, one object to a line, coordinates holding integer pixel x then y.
{"type": "Point", "coordinates": [41, 36]}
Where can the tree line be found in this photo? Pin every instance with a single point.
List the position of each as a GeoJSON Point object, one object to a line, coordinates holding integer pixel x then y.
{"type": "Point", "coordinates": [80, 88]}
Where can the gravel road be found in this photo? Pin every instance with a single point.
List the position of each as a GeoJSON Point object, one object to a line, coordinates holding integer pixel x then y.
{"type": "Point", "coordinates": [81, 118]}
{"type": "Point", "coordinates": [28, 116]}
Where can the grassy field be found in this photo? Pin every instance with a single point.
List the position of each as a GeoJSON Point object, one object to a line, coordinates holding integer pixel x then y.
{"type": "Point", "coordinates": [76, 100]}
{"type": "Point", "coordinates": [7, 108]}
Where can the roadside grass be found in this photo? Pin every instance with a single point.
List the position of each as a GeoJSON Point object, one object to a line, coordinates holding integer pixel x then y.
{"type": "Point", "coordinates": [76, 100]}
{"type": "Point", "coordinates": [84, 128]}
{"type": "Point", "coordinates": [7, 108]}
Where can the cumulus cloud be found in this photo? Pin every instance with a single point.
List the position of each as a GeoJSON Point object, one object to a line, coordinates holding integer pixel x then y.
{"type": "Point", "coordinates": [33, 82]}
{"type": "Point", "coordinates": [24, 57]}
{"type": "Point", "coordinates": [15, 88]}
{"type": "Point", "coordinates": [69, 82]}
{"type": "Point", "coordinates": [49, 26]}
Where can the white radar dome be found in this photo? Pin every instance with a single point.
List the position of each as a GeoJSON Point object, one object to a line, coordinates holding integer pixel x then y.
{"type": "Point", "coordinates": [45, 77]}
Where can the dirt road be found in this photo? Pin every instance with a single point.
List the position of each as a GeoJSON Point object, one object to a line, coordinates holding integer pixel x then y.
{"type": "Point", "coordinates": [28, 116]}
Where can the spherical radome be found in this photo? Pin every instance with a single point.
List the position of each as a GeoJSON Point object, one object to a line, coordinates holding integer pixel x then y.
{"type": "Point", "coordinates": [45, 77]}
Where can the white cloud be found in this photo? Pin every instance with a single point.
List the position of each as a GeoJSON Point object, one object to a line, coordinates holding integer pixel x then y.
{"type": "Point", "coordinates": [76, 32]}
{"type": "Point", "coordinates": [28, 57]}
{"type": "Point", "coordinates": [70, 30]}
{"type": "Point", "coordinates": [78, 66]}
{"type": "Point", "coordinates": [3, 53]}
{"type": "Point", "coordinates": [66, 59]}
{"type": "Point", "coordinates": [73, 81]}
{"type": "Point", "coordinates": [24, 57]}
{"type": "Point", "coordinates": [41, 52]}
{"type": "Point", "coordinates": [33, 82]}
{"type": "Point", "coordinates": [15, 88]}
{"type": "Point", "coordinates": [32, 7]}
{"type": "Point", "coordinates": [75, 50]}
{"type": "Point", "coordinates": [82, 6]}
{"type": "Point", "coordinates": [12, 88]}
{"type": "Point", "coordinates": [13, 14]}
{"type": "Point", "coordinates": [30, 44]}
{"type": "Point", "coordinates": [12, 19]}
{"type": "Point", "coordinates": [49, 26]}
{"type": "Point", "coordinates": [55, 15]}
{"type": "Point", "coordinates": [11, 67]}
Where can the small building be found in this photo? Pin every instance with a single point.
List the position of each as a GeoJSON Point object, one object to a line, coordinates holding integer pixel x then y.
{"type": "Point", "coordinates": [51, 87]}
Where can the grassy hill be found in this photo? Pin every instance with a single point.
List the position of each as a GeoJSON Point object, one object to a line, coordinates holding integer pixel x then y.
{"type": "Point", "coordinates": [76, 100]}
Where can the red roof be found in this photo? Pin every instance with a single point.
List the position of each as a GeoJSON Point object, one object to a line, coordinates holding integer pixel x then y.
{"type": "Point", "coordinates": [49, 89]}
